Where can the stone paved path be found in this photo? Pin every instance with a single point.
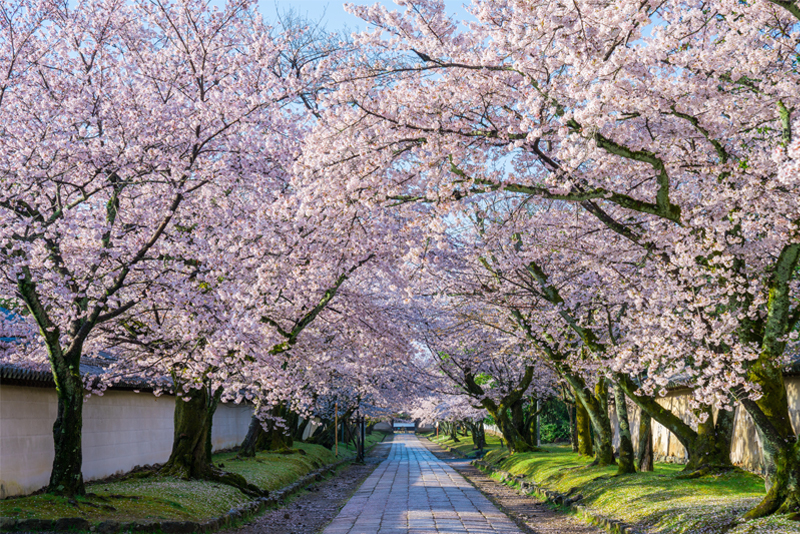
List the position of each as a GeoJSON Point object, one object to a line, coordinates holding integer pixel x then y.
{"type": "Point", "coordinates": [413, 492]}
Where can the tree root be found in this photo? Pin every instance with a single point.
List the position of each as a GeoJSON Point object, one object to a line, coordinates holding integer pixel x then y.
{"type": "Point", "coordinates": [707, 470]}
{"type": "Point", "coordinates": [213, 474]}
{"type": "Point", "coordinates": [237, 481]}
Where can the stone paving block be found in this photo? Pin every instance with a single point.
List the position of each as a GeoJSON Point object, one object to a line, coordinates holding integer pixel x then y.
{"type": "Point", "coordinates": [412, 492]}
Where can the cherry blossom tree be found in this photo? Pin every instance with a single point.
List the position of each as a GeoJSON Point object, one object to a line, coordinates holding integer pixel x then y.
{"type": "Point", "coordinates": [119, 115]}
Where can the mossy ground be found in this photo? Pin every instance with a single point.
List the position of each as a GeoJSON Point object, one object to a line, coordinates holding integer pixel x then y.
{"type": "Point", "coordinates": [658, 502]}
{"type": "Point", "coordinates": [155, 498]}
{"type": "Point", "coordinates": [465, 445]}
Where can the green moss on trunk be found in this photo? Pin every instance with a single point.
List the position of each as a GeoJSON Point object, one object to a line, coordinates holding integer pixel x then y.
{"type": "Point", "coordinates": [191, 445]}
{"type": "Point", "coordinates": [66, 477]}
{"type": "Point", "coordinates": [644, 453]}
{"type": "Point", "coordinates": [583, 430]}
{"type": "Point", "coordinates": [626, 463]}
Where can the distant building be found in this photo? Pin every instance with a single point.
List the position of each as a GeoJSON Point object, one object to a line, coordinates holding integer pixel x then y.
{"type": "Point", "coordinates": [404, 426]}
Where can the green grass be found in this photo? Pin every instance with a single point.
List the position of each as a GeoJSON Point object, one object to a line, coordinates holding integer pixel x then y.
{"type": "Point", "coordinates": [347, 449]}
{"type": "Point", "coordinates": [146, 499]}
{"type": "Point", "coordinates": [271, 471]}
{"type": "Point", "coordinates": [659, 502]}
{"type": "Point", "coordinates": [171, 499]}
{"type": "Point", "coordinates": [465, 445]}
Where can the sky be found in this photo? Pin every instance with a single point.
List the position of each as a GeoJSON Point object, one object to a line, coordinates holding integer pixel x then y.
{"type": "Point", "coordinates": [333, 14]}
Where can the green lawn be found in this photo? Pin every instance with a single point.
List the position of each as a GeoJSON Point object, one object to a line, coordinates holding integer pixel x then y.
{"type": "Point", "coordinates": [659, 502]}
{"type": "Point", "coordinates": [464, 445]}
{"type": "Point", "coordinates": [172, 499]}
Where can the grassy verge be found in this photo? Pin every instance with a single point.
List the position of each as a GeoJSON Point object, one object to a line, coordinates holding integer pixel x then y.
{"type": "Point", "coordinates": [170, 499]}
{"type": "Point", "coordinates": [658, 502]}
{"type": "Point", "coordinates": [464, 445]}
{"type": "Point", "coordinates": [347, 449]}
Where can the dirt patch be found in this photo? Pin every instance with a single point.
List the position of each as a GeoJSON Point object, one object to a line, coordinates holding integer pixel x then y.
{"type": "Point", "coordinates": [531, 515]}
{"type": "Point", "coordinates": [311, 511]}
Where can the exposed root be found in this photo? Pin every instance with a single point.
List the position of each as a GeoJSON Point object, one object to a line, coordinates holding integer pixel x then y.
{"type": "Point", "coordinates": [237, 481]}
{"type": "Point", "coordinates": [213, 474]}
{"type": "Point", "coordinates": [706, 470]}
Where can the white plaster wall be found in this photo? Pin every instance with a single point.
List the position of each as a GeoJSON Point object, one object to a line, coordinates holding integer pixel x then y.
{"type": "Point", "coordinates": [745, 446]}
{"type": "Point", "coordinates": [313, 425]}
{"type": "Point", "coordinates": [230, 425]}
{"type": "Point", "coordinates": [26, 438]}
{"type": "Point", "coordinates": [121, 429]}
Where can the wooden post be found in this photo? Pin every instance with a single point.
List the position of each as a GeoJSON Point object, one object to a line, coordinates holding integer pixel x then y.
{"type": "Point", "coordinates": [336, 428]}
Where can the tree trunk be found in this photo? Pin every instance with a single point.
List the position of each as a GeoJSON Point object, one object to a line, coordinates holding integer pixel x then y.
{"type": "Point", "coordinates": [708, 448]}
{"type": "Point", "coordinates": [255, 440]}
{"type": "Point", "coordinates": [66, 477]}
{"type": "Point", "coordinates": [781, 460]}
{"type": "Point", "coordinates": [480, 443]}
{"type": "Point", "coordinates": [279, 436]}
{"type": "Point", "coordinates": [191, 445]}
{"type": "Point", "coordinates": [531, 427]}
{"type": "Point", "coordinates": [478, 435]}
{"type": "Point", "coordinates": [596, 405]}
{"type": "Point", "coordinates": [514, 439]}
{"type": "Point", "coordinates": [273, 439]}
{"type": "Point", "coordinates": [453, 432]}
{"type": "Point", "coordinates": [573, 428]}
{"type": "Point", "coordinates": [780, 447]}
{"type": "Point", "coordinates": [604, 436]}
{"type": "Point", "coordinates": [583, 429]}
{"type": "Point", "coordinates": [324, 436]}
{"type": "Point", "coordinates": [711, 449]}
{"type": "Point", "coordinates": [626, 463]}
{"type": "Point", "coordinates": [644, 453]}
{"type": "Point", "coordinates": [191, 457]}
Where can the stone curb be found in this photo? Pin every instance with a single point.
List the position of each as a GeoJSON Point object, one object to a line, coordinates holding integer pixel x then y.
{"type": "Point", "coordinates": [529, 488]}
{"type": "Point", "coordinates": [235, 515]}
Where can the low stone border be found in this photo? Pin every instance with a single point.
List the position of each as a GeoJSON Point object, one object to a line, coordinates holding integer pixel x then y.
{"type": "Point", "coordinates": [233, 517]}
{"type": "Point", "coordinates": [528, 487]}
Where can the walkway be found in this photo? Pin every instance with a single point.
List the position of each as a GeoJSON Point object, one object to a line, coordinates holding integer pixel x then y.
{"type": "Point", "coordinates": [413, 492]}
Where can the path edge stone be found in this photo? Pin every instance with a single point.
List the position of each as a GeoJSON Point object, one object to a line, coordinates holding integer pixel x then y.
{"type": "Point", "coordinates": [528, 487]}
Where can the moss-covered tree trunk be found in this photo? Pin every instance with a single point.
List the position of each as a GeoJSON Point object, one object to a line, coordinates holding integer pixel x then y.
{"type": "Point", "coordinates": [595, 402]}
{"type": "Point", "coordinates": [453, 432]}
{"type": "Point", "coordinates": [190, 457]}
{"type": "Point", "coordinates": [280, 436]}
{"type": "Point", "coordinates": [780, 447]}
{"type": "Point", "coordinates": [507, 412]}
{"type": "Point", "coordinates": [626, 458]}
{"type": "Point", "coordinates": [191, 445]}
{"type": "Point", "coordinates": [530, 425]}
{"type": "Point", "coordinates": [275, 437]}
{"type": "Point", "coordinates": [478, 435]}
{"type": "Point", "coordinates": [770, 413]}
{"type": "Point", "coordinates": [603, 434]}
{"type": "Point", "coordinates": [707, 448]}
{"type": "Point", "coordinates": [583, 429]}
{"type": "Point", "coordinates": [66, 477]}
{"type": "Point", "coordinates": [644, 451]}
{"type": "Point", "coordinates": [515, 440]}
{"type": "Point", "coordinates": [254, 441]}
